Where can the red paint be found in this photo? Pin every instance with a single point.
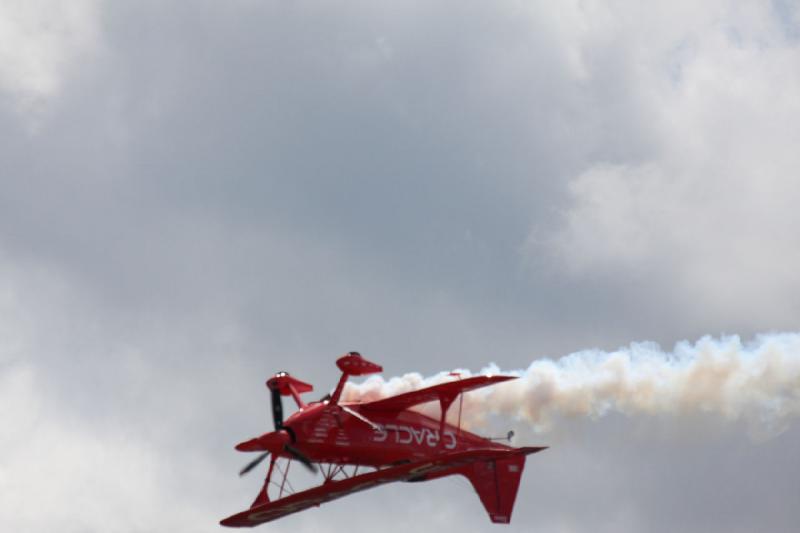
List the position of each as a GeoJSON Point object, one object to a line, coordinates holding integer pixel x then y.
{"type": "Point", "coordinates": [403, 445]}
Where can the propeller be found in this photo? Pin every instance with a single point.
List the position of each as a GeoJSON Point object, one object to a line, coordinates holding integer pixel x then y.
{"type": "Point", "coordinates": [305, 461]}
{"type": "Point", "coordinates": [294, 452]}
{"type": "Point", "coordinates": [254, 463]}
{"type": "Point", "coordinates": [277, 441]}
{"type": "Point", "coordinates": [274, 443]}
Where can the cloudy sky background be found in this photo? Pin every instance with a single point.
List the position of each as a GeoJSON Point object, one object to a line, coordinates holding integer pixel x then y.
{"type": "Point", "coordinates": [194, 195]}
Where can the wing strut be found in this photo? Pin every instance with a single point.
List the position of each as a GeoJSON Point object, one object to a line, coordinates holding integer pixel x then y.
{"type": "Point", "coordinates": [263, 495]}
{"type": "Point", "coordinates": [445, 401]}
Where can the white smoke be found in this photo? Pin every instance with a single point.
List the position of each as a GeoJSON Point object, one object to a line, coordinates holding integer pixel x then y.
{"type": "Point", "coordinates": [758, 382]}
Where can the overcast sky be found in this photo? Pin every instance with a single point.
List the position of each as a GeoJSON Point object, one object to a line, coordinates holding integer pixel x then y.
{"type": "Point", "coordinates": [194, 195]}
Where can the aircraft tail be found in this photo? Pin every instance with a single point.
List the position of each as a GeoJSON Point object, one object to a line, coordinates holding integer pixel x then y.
{"type": "Point", "coordinates": [496, 481]}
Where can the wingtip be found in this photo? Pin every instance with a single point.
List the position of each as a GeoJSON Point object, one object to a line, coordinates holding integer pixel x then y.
{"type": "Point", "coordinates": [499, 378]}
{"type": "Point", "coordinates": [528, 450]}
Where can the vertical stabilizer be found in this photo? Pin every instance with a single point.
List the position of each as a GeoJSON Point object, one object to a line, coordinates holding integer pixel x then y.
{"type": "Point", "coordinates": [496, 482]}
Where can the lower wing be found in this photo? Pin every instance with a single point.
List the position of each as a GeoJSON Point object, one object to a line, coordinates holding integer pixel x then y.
{"type": "Point", "coordinates": [316, 496]}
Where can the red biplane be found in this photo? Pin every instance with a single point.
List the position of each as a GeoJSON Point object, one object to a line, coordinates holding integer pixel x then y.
{"type": "Point", "coordinates": [358, 446]}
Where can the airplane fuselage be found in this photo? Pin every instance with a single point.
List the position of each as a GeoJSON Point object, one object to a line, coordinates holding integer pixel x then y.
{"type": "Point", "coordinates": [327, 434]}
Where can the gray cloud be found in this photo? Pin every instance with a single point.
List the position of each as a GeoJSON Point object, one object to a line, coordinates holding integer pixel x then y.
{"type": "Point", "coordinates": [205, 194]}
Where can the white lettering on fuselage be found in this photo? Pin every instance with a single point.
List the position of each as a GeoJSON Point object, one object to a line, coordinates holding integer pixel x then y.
{"type": "Point", "coordinates": [409, 434]}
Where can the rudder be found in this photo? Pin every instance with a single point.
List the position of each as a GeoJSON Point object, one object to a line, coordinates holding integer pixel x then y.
{"type": "Point", "coordinates": [496, 481]}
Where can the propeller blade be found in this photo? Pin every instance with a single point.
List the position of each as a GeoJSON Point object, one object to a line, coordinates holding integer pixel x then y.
{"type": "Point", "coordinates": [361, 417]}
{"type": "Point", "coordinates": [254, 463]}
{"type": "Point", "coordinates": [302, 458]}
{"type": "Point", "coordinates": [277, 408]}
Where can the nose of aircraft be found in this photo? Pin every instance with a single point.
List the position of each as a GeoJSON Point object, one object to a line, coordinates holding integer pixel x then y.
{"type": "Point", "coordinates": [272, 442]}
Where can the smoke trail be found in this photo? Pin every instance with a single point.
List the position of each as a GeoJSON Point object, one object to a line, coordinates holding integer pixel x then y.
{"type": "Point", "coordinates": [758, 382]}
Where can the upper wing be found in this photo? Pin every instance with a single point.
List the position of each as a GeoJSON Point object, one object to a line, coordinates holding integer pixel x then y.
{"type": "Point", "coordinates": [443, 390]}
{"type": "Point", "coordinates": [443, 465]}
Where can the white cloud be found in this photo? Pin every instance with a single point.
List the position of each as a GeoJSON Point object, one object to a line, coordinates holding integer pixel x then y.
{"type": "Point", "coordinates": [39, 41]}
{"type": "Point", "coordinates": [92, 463]}
{"type": "Point", "coordinates": [55, 464]}
{"type": "Point", "coordinates": [711, 212]}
